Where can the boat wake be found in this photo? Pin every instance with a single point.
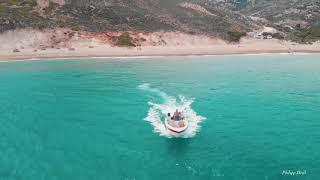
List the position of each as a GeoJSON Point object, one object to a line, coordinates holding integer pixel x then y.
{"type": "Point", "coordinates": [157, 113]}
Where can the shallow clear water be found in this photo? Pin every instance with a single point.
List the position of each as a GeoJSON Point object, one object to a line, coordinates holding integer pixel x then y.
{"type": "Point", "coordinates": [254, 117]}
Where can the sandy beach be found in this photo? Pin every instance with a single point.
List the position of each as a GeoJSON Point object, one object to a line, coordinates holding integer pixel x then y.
{"type": "Point", "coordinates": [156, 44]}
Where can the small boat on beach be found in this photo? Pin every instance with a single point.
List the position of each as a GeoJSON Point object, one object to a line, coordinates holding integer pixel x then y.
{"type": "Point", "coordinates": [176, 123]}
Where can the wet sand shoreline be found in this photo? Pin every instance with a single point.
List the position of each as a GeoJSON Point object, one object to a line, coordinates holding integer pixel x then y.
{"type": "Point", "coordinates": [155, 52]}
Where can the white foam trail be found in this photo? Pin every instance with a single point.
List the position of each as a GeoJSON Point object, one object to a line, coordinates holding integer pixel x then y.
{"type": "Point", "coordinates": [158, 112]}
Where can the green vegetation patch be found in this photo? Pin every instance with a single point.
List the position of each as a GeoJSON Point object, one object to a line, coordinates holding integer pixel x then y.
{"type": "Point", "coordinates": [315, 31]}
{"type": "Point", "coordinates": [234, 36]}
{"type": "Point", "coordinates": [51, 8]}
{"type": "Point", "coordinates": [307, 35]}
{"type": "Point", "coordinates": [25, 10]}
{"type": "Point", "coordinates": [19, 3]}
{"type": "Point", "coordinates": [3, 8]}
{"type": "Point", "coordinates": [125, 40]}
{"type": "Point", "coordinates": [277, 36]}
{"type": "Point", "coordinates": [15, 6]}
{"type": "Point", "coordinates": [12, 2]}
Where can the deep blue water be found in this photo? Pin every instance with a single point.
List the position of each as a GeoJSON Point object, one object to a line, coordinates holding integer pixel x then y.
{"type": "Point", "coordinates": [90, 119]}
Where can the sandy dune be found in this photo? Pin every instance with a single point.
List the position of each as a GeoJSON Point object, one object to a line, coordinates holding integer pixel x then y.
{"type": "Point", "coordinates": [60, 44]}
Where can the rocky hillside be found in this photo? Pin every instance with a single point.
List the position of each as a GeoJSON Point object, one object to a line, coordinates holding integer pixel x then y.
{"type": "Point", "coordinates": [210, 17]}
{"type": "Point", "coordinates": [121, 15]}
{"type": "Point", "coordinates": [298, 20]}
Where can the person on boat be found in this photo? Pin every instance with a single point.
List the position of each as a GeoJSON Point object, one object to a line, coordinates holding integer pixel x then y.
{"type": "Point", "coordinates": [177, 115]}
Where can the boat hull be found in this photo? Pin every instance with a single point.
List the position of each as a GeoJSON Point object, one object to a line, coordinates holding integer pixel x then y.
{"type": "Point", "coordinates": [176, 129]}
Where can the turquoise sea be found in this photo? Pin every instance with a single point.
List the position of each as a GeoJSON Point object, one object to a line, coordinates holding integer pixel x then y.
{"type": "Point", "coordinates": [252, 118]}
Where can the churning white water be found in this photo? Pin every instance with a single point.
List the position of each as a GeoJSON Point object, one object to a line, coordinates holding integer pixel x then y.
{"type": "Point", "coordinates": [158, 112]}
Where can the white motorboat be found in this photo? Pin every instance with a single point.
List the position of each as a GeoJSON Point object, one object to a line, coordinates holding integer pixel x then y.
{"type": "Point", "coordinates": [176, 123]}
